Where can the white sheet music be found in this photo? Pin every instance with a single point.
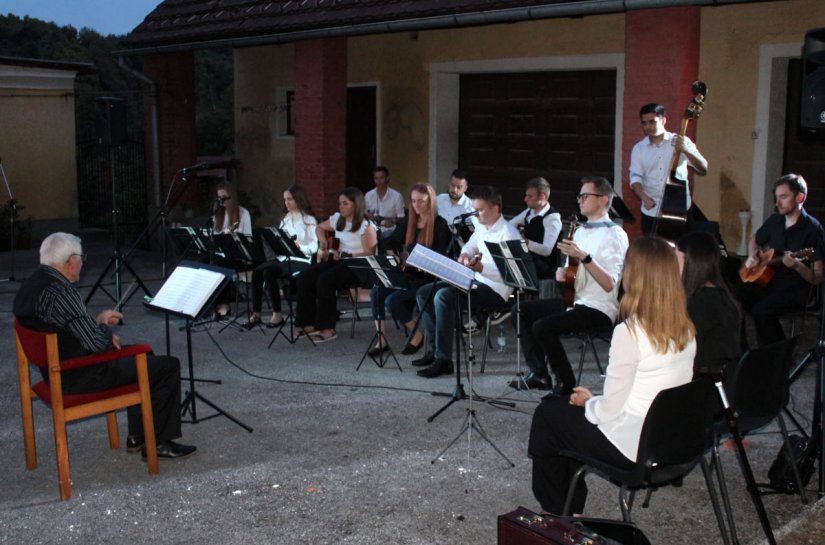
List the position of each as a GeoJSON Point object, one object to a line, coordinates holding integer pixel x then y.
{"type": "Point", "coordinates": [187, 290]}
{"type": "Point", "coordinates": [379, 271]}
{"type": "Point", "coordinates": [441, 267]}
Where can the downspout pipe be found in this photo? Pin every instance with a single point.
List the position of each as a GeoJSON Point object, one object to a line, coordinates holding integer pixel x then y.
{"type": "Point", "coordinates": [489, 17]}
{"type": "Point", "coordinates": [153, 114]}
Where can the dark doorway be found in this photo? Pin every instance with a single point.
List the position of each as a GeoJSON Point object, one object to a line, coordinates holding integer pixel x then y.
{"type": "Point", "coordinates": [804, 148]}
{"type": "Point", "coordinates": [560, 125]}
{"type": "Point", "coordinates": [360, 137]}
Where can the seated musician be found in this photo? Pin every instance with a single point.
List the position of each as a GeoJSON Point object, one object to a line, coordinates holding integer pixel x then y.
{"type": "Point", "coordinates": [652, 350]}
{"type": "Point", "coordinates": [540, 224]}
{"type": "Point", "coordinates": [421, 226]}
{"type": "Point", "coordinates": [355, 236]}
{"type": "Point", "coordinates": [712, 307]}
{"type": "Point", "coordinates": [298, 222]}
{"type": "Point", "coordinates": [439, 314]}
{"type": "Point", "coordinates": [230, 217]}
{"type": "Point", "coordinates": [650, 162]}
{"type": "Point", "coordinates": [790, 229]}
{"type": "Point", "coordinates": [49, 302]}
{"type": "Point", "coordinates": [599, 245]}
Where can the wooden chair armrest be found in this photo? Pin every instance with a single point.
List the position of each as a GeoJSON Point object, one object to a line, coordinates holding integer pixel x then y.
{"type": "Point", "coordinates": [109, 355]}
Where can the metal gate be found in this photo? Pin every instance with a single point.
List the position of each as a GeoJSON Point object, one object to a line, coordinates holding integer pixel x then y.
{"type": "Point", "coordinates": [102, 170]}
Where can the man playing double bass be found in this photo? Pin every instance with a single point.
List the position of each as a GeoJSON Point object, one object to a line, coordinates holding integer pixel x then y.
{"type": "Point", "coordinates": [599, 245]}
{"type": "Point", "coordinates": [651, 159]}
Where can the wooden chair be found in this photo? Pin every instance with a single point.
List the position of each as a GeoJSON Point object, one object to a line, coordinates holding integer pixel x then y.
{"type": "Point", "coordinates": [40, 349]}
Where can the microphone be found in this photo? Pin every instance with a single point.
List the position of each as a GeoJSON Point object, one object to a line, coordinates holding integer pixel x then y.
{"type": "Point", "coordinates": [195, 168]}
{"type": "Point", "coordinates": [463, 217]}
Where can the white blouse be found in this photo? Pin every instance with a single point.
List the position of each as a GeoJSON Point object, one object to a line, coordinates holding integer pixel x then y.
{"type": "Point", "coordinates": [302, 227]}
{"type": "Point", "coordinates": [635, 374]}
{"type": "Point", "coordinates": [351, 243]}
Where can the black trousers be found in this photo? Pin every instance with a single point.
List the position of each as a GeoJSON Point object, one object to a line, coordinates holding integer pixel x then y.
{"type": "Point", "coordinates": [270, 272]}
{"type": "Point", "coordinates": [558, 426]}
{"type": "Point", "coordinates": [766, 305]}
{"type": "Point", "coordinates": [542, 324]}
{"type": "Point", "coordinates": [164, 386]}
{"type": "Point", "coordinates": [316, 297]}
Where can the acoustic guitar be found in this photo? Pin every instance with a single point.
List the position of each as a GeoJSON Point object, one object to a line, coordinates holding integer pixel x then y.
{"type": "Point", "coordinates": [762, 273]}
{"type": "Point", "coordinates": [333, 249]}
{"type": "Point", "coordinates": [671, 221]}
{"type": "Point", "coordinates": [571, 267]}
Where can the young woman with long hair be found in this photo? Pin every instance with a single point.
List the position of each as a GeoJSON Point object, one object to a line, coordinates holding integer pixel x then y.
{"type": "Point", "coordinates": [711, 305]}
{"type": "Point", "coordinates": [298, 222]}
{"type": "Point", "coordinates": [230, 216]}
{"type": "Point", "coordinates": [315, 312]}
{"type": "Point", "coordinates": [651, 350]}
{"type": "Point", "coordinates": [422, 226]}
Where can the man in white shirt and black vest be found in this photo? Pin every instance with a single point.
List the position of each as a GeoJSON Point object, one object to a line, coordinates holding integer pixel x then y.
{"type": "Point", "coordinates": [540, 225]}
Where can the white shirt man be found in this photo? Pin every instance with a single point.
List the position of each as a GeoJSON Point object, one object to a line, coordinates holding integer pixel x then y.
{"type": "Point", "coordinates": [650, 162]}
{"type": "Point", "coordinates": [384, 203]}
{"type": "Point", "coordinates": [540, 225]}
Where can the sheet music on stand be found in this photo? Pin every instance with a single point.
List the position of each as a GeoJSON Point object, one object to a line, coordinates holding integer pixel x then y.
{"type": "Point", "coordinates": [515, 264]}
{"type": "Point", "coordinates": [378, 270]}
{"type": "Point", "coordinates": [187, 238]}
{"type": "Point", "coordinates": [189, 289]}
{"type": "Point", "coordinates": [452, 272]}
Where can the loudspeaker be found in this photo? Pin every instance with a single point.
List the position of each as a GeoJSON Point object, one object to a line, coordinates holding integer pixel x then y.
{"type": "Point", "coordinates": [110, 121]}
{"type": "Point", "coordinates": [812, 103]}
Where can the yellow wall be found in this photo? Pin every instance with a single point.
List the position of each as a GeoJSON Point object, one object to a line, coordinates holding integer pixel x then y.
{"type": "Point", "coordinates": [265, 166]}
{"type": "Point", "coordinates": [399, 64]}
{"type": "Point", "coordinates": [731, 37]}
{"type": "Point", "coordinates": [37, 146]}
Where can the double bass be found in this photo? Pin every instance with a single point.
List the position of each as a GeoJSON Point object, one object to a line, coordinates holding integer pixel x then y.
{"type": "Point", "coordinates": [671, 222]}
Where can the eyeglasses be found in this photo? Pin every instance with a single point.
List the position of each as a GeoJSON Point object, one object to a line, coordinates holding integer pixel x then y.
{"type": "Point", "coordinates": [582, 196]}
{"type": "Point", "coordinates": [81, 256]}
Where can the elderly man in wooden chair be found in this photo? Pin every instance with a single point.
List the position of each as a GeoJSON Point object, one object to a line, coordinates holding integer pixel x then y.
{"type": "Point", "coordinates": [49, 302]}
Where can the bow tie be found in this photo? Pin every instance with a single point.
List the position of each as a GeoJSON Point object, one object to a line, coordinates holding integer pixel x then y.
{"type": "Point", "coordinates": [598, 224]}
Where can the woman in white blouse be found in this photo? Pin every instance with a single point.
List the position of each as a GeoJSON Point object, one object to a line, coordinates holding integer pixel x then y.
{"type": "Point", "coordinates": [652, 350]}
{"type": "Point", "coordinates": [298, 222]}
{"type": "Point", "coordinates": [347, 233]}
{"type": "Point", "coordinates": [231, 217]}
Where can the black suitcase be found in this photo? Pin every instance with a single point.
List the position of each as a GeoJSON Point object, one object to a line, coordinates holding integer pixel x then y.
{"type": "Point", "coordinates": [524, 527]}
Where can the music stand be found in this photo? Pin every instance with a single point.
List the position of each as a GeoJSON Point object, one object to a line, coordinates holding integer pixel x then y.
{"type": "Point", "coordinates": [517, 269]}
{"type": "Point", "coordinates": [461, 278]}
{"type": "Point", "coordinates": [284, 246]}
{"type": "Point", "coordinates": [382, 271]}
{"type": "Point", "coordinates": [190, 289]}
{"type": "Point", "coordinates": [240, 253]}
{"type": "Point", "coordinates": [619, 210]}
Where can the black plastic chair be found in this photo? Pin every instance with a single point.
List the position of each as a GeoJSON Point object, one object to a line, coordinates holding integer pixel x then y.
{"type": "Point", "coordinates": [676, 434]}
{"type": "Point", "coordinates": [759, 390]}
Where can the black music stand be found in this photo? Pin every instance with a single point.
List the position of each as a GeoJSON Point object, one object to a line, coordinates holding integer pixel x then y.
{"type": "Point", "coordinates": [517, 269]}
{"type": "Point", "coordinates": [463, 279]}
{"type": "Point", "coordinates": [382, 271]}
{"type": "Point", "coordinates": [240, 253]}
{"type": "Point", "coordinates": [619, 210]}
{"type": "Point", "coordinates": [284, 246]}
{"type": "Point", "coordinates": [187, 293]}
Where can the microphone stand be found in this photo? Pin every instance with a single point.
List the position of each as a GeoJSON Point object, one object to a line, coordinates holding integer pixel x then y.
{"type": "Point", "coordinates": [12, 222]}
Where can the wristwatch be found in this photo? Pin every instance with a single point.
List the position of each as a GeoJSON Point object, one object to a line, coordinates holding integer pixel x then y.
{"type": "Point", "coordinates": [587, 259]}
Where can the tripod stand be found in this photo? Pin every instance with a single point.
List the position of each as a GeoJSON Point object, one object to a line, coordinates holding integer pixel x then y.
{"type": "Point", "coordinates": [816, 440]}
{"type": "Point", "coordinates": [117, 260]}
{"type": "Point", "coordinates": [471, 421]}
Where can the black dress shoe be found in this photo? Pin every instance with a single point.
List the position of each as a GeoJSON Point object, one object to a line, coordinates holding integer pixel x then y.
{"type": "Point", "coordinates": [251, 324]}
{"type": "Point", "coordinates": [410, 349]}
{"type": "Point", "coordinates": [424, 361]}
{"type": "Point", "coordinates": [439, 367]}
{"type": "Point", "coordinates": [559, 390]}
{"type": "Point", "coordinates": [134, 444]}
{"type": "Point", "coordinates": [533, 382]}
{"type": "Point", "coordinates": [376, 351]}
{"type": "Point", "coordinates": [172, 451]}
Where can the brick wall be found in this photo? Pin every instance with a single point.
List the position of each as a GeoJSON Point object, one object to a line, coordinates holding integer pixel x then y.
{"type": "Point", "coordinates": [174, 75]}
{"type": "Point", "coordinates": [320, 120]}
{"type": "Point", "coordinates": [661, 64]}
